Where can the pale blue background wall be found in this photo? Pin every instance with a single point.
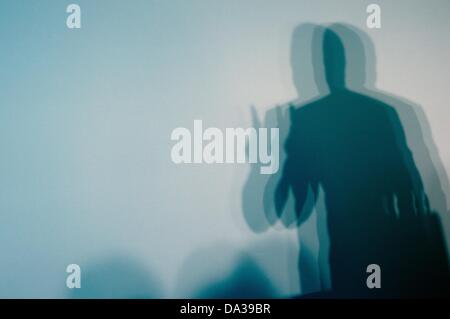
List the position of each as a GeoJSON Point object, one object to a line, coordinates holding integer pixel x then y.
{"type": "Point", "coordinates": [86, 117]}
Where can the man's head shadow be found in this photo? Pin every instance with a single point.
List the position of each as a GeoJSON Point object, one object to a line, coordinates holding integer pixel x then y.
{"type": "Point", "coordinates": [329, 58]}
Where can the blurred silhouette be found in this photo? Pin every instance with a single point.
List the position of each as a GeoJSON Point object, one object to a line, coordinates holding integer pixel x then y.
{"type": "Point", "coordinates": [222, 270]}
{"type": "Point", "coordinates": [348, 160]}
{"type": "Point", "coordinates": [313, 269]}
{"type": "Point", "coordinates": [246, 281]}
{"type": "Point", "coordinates": [117, 278]}
{"type": "Point", "coordinates": [352, 146]}
{"type": "Point", "coordinates": [236, 274]}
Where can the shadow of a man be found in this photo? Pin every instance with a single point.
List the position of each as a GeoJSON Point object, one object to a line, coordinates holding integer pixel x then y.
{"type": "Point", "coordinates": [354, 148]}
